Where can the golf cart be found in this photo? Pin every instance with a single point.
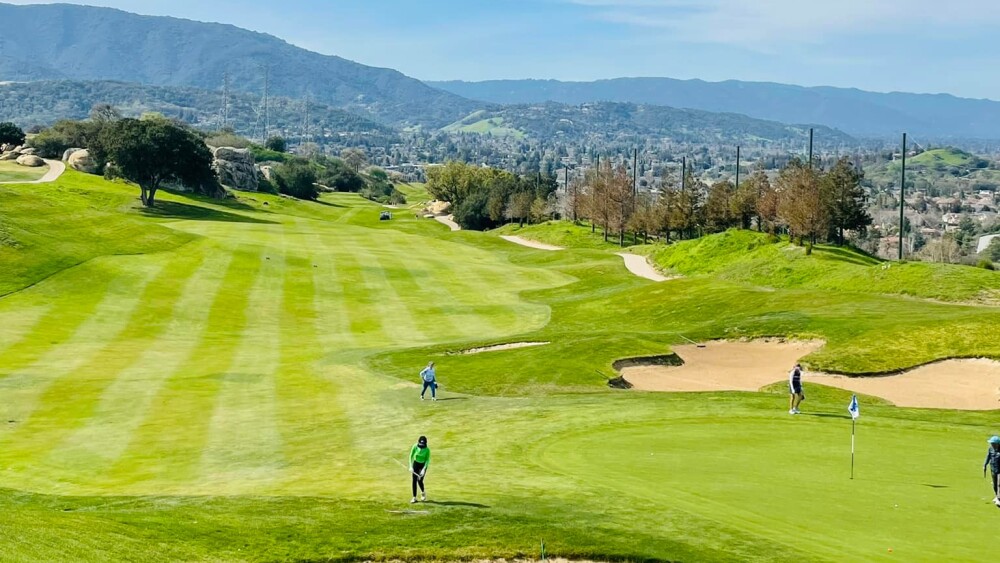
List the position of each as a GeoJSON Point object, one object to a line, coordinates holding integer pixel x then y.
{"type": "Point", "coordinates": [385, 216]}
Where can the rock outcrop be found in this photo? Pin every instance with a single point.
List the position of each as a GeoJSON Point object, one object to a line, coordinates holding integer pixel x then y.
{"type": "Point", "coordinates": [30, 160]}
{"type": "Point", "coordinates": [236, 168]}
{"type": "Point", "coordinates": [80, 160]}
{"type": "Point", "coordinates": [68, 152]}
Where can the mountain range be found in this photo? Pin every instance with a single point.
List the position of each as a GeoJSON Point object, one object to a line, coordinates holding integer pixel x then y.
{"type": "Point", "coordinates": [63, 41]}
{"type": "Point", "coordinates": [857, 112]}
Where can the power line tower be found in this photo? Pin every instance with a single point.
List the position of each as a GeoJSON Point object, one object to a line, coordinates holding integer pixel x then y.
{"type": "Point", "coordinates": [225, 100]}
{"type": "Point", "coordinates": [267, 115]}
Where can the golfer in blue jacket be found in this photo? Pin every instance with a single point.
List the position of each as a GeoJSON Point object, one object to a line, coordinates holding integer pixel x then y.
{"type": "Point", "coordinates": [993, 462]}
{"type": "Point", "coordinates": [430, 381]}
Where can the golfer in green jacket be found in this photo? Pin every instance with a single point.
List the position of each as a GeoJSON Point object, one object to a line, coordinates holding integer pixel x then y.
{"type": "Point", "coordinates": [420, 459]}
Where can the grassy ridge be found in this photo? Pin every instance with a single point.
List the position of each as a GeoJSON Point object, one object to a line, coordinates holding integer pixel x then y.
{"type": "Point", "coordinates": [752, 258]}
{"type": "Point", "coordinates": [561, 233]}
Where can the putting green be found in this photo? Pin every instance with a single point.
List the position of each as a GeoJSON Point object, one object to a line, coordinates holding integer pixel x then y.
{"type": "Point", "coordinates": [236, 380]}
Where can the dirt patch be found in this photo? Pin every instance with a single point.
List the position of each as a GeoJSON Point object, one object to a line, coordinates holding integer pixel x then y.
{"type": "Point", "coordinates": [531, 243]}
{"type": "Point", "coordinates": [951, 384]}
{"type": "Point", "coordinates": [721, 365]}
{"type": "Point", "coordinates": [972, 384]}
{"type": "Point", "coordinates": [499, 347]}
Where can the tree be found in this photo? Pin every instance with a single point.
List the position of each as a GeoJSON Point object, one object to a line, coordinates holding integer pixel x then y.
{"type": "Point", "coordinates": [355, 158]}
{"type": "Point", "coordinates": [801, 205]}
{"type": "Point", "coordinates": [150, 152]}
{"type": "Point", "coordinates": [297, 178]}
{"type": "Point", "coordinates": [276, 144]}
{"type": "Point", "coordinates": [104, 113]}
{"type": "Point", "coordinates": [719, 207]}
{"type": "Point", "coordinates": [67, 134]}
{"type": "Point", "coordinates": [621, 199]}
{"type": "Point", "coordinates": [842, 191]}
{"type": "Point", "coordinates": [337, 175]}
{"type": "Point", "coordinates": [520, 206]}
{"type": "Point", "coordinates": [11, 134]}
{"type": "Point", "coordinates": [993, 250]}
{"type": "Point", "coordinates": [745, 201]}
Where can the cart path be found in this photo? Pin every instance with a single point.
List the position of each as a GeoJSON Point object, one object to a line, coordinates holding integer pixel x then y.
{"type": "Point", "coordinates": [448, 221]}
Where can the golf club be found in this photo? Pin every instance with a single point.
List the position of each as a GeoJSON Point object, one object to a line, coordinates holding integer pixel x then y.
{"type": "Point", "coordinates": [698, 344]}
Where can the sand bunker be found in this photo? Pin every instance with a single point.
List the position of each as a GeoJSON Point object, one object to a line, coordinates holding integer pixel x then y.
{"type": "Point", "coordinates": [749, 366]}
{"type": "Point", "coordinates": [723, 366]}
{"type": "Point", "coordinates": [531, 243]}
{"type": "Point", "coordinates": [498, 347]}
{"type": "Point", "coordinates": [952, 384]}
{"type": "Point", "coordinates": [641, 267]}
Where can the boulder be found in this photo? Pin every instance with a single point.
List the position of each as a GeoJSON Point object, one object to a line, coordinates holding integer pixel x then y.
{"type": "Point", "coordinates": [29, 151]}
{"type": "Point", "coordinates": [236, 168]}
{"type": "Point", "coordinates": [68, 152]}
{"type": "Point", "coordinates": [11, 155]}
{"type": "Point", "coordinates": [81, 161]}
{"type": "Point", "coordinates": [30, 160]}
{"type": "Point", "coordinates": [439, 207]}
{"type": "Point", "coordinates": [267, 172]}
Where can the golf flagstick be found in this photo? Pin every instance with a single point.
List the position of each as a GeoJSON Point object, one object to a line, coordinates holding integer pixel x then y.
{"type": "Point", "coordinates": [855, 413]}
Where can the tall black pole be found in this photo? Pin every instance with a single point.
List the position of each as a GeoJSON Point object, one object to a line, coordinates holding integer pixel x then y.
{"type": "Point", "coordinates": [635, 172]}
{"type": "Point", "coordinates": [902, 200]}
{"type": "Point", "coordinates": [810, 147]}
{"type": "Point", "coordinates": [684, 173]}
{"type": "Point", "coordinates": [737, 166]}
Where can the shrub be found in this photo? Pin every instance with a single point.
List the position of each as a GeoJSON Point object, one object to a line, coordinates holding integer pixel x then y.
{"type": "Point", "coordinates": [11, 134]}
{"type": "Point", "coordinates": [297, 178]}
{"type": "Point", "coordinates": [276, 144]}
{"type": "Point", "coordinates": [986, 264]}
{"type": "Point", "coordinates": [227, 139]}
{"type": "Point", "coordinates": [261, 154]}
{"type": "Point", "coordinates": [66, 134]}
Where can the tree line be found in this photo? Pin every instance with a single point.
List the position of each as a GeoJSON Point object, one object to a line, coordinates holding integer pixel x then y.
{"type": "Point", "coordinates": [484, 198]}
{"type": "Point", "coordinates": [809, 204]}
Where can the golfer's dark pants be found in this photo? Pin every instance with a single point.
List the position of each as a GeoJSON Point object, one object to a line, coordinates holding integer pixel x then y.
{"type": "Point", "coordinates": [417, 480]}
{"type": "Point", "coordinates": [994, 475]}
{"type": "Point", "coordinates": [433, 387]}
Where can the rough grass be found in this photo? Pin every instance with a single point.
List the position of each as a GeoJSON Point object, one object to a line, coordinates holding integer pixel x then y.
{"type": "Point", "coordinates": [13, 172]}
{"type": "Point", "coordinates": [753, 258]}
{"type": "Point", "coordinates": [245, 395]}
{"type": "Point", "coordinates": [561, 233]}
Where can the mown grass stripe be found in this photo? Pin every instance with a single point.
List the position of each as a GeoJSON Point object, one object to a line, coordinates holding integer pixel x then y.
{"type": "Point", "coordinates": [123, 404]}
{"type": "Point", "coordinates": [25, 389]}
{"type": "Point", "coordinates": [18, 321]}
{"type": "Point", "coordinates": [69, 400]}
{"type": "Point", "coordinates": [165, 450]}
{"type": "Point", "coordinates": [399, 325]}
{"type": "Point", "coordinates": [244, 448]}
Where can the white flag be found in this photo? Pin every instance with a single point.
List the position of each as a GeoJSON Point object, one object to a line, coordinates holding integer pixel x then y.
{"type": "Point", "coordinates": [853, 407]}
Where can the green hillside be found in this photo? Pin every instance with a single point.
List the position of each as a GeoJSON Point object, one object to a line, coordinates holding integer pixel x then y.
{"type": "Point", "coordinates": [237, 381]}
{"type": "Point", "coordinates": [753, 258]}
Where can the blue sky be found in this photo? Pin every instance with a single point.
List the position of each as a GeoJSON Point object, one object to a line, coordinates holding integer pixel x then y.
{"type": "Point", "coordinates": [882, 45]}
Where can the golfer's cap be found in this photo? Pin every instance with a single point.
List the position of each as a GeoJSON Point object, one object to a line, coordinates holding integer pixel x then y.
{"type": "Point", "coordinates": [994, 440]}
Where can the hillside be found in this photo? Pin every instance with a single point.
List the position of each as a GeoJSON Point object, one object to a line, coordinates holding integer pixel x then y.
{"type": "Point", "coordinates": [611, 120]}
{"type": "Point", "coordinates": [41, 103]}
{"type": "Point", "coordinates": [751, 258]}
{"type": "Point", "coordinates": [857, 112]}
{"type": "Point", "coordinates": [942, 171]}
{"type": "Point", "coordinates": [60, 41]}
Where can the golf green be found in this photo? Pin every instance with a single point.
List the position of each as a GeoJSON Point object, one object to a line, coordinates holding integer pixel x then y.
{"type": "Point", "coordinates": [237, 381]}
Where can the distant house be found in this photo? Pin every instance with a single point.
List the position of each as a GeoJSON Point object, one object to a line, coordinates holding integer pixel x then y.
{"type": "Point", "coordinates": [985, 242]}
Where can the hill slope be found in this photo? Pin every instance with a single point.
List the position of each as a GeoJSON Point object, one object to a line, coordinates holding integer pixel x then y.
{"type": "Point", "coordinates": [43, 102]}
{"type": "Point", "coordinates": [62, 41]}
{"type": "Point", "coordinates": [855, 111]}
{"type": "Point", "coordinates": [608, 120]}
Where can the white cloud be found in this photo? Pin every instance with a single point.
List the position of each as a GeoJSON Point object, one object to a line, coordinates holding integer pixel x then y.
{"type": "Point", "coordinates": [775, 23]}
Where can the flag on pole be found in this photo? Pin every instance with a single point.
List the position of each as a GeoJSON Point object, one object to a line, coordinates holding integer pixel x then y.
{"type": "Point", "coordinates": [853, 408]}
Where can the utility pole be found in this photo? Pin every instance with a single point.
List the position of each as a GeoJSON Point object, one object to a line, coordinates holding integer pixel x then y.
{"type": "Point", "coordinates": [225, 100]}
{"type": "Point", "coordinates": [737, 167]}
{"type": "Point", "coordinates": [635, 172]}
{"type": "Point", "coordinates": [684, 173]}
{"type": "Point", "coordinates": [902, 200]}
{"type": "Point", "coordinates": [810, 147]}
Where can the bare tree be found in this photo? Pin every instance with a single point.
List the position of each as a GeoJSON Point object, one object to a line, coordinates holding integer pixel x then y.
{"type": "Point", "coordinates": [801, 204]}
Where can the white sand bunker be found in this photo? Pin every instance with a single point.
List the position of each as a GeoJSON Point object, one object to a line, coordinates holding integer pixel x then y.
{"type": "Point", "coordinates": [723, 366]}
{"type": "Point", "coordinates": [641, 267]}
{"type": "Point", "coordinates": [952, 384]}
{"type": "Point", "coordinates": [499, 347]}
{"type": "Point", "coordinates": [748, 366]}
{"type": "Point", "coordinates": [531, 243]}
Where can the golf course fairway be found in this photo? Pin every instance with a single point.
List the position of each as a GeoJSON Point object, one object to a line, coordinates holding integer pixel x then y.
{"type": "Point", "coordinates": [237, 381]}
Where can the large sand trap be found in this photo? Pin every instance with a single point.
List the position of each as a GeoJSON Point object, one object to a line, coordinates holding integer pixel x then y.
{"type": "Point", "coordinates": [531, 243]}
{"type": "Point", "coordinates": [952, 384]}
{"type": "Point", "coordinates": [641, 267]}
{"type": "Point", "coordinates": [723, 366]}
{"type": "Point", "coordinates": [748, 366]}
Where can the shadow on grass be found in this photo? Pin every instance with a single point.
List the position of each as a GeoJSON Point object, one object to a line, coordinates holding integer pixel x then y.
{"type": "Point", "coordinates": [455, 503]}
{"type": "Point", "coordinates": [845, 254]}
{"type": "Point", "coordinates": [175, 210]}
{"type": "Point", "coordinates": [453, 398]}
{"type": "Point", "coordinates": [825, 415]}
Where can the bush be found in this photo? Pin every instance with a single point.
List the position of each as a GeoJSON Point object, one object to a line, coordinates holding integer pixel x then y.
{"type": "Point", "coordinates": [227, 139]}
{"type": "Point", "coordinates": [472, 213]}
{"type": "Point", "coordinates": [297, 178]}
{"type": "Point", "coordinates": [276, 144]}
{"type": "Point", "coordinates": [11, 134]}
{"type": "Point", "coordinates": [261, 154]}
{"type": "Point", "coordinates": [339, 176]}
{"type": "Point", "coordinates": [53, 142]}
{"type": "Point", "coordinates": [986, 264]}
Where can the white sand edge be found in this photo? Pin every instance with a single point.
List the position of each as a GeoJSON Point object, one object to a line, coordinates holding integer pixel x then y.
{"type": "Point", "coordinates": [641, 267]}
{"type": "Point", "coordinates": [499, 347]}
{"type": "Point", "coordinates": [448, 221]}
{"type": "Point", "coordinates": [531, 243]}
